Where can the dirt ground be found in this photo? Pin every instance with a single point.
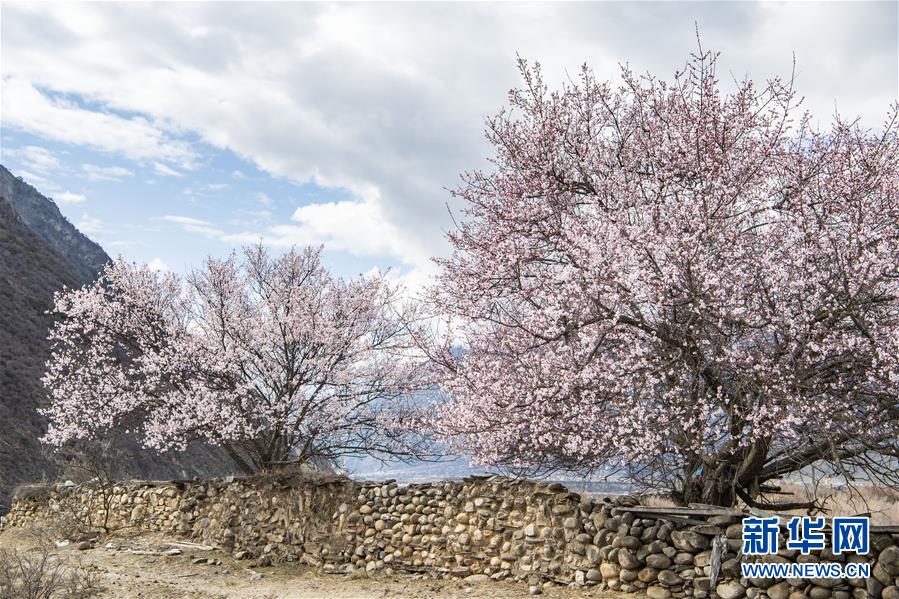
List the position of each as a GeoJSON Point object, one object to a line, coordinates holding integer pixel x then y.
{"type": "Point", "coordinates": [138, 567]}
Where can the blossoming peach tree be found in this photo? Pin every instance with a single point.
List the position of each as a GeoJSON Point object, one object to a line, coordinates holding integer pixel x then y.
{"type": "Point", "coordinates": [271, 358]}
{"type": "Point", "coordinates": [695, 286]}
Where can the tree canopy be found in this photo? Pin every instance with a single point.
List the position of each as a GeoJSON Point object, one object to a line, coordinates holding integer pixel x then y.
{"type": "Point", "coordinates": [693, 284]}
{"type": "Point", "coordinates": [272, 358]}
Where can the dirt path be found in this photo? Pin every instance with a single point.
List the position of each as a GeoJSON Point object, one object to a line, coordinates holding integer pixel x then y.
{"type": "Point", "coordinates": [137, 567]}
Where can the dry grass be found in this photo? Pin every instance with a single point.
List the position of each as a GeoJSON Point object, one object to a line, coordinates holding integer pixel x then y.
{"type": "Point", "coordinates": [39, 572]}
{"type": "Point", "coordinates": [657, 501]}
{"type": "Point", "coordinates": [127, 570]}
{"type": "Point", "coordinates": [881, 504]}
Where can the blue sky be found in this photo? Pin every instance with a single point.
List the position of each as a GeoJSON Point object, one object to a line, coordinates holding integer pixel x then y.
{"type": "Point", "coordinates": [168, 132]}
{"type": "Point", "coordinates": [171, 217]}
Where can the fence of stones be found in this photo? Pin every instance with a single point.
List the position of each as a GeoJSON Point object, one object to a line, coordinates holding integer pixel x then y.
{"type": "Point", "coordinates": [480, 527]}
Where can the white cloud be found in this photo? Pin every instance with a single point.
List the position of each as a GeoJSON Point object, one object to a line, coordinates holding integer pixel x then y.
{"type": "Point", "coordinates": [38, 163]}
{"type": "Point", "coordinates": [28, 108]}
{"type": "Point", "coordinates": [184, 220]}
{"type": "Point", "coordinates": [92, 172]}
{"type": "Point", "coordinates": [161, 169]}
{"type": "Point", "coordinates": [263, 198]}
{"type": "Point", "coordinates": [90, 225]}
{"type": "Point", "coordinates": [383, 101]}
{"type": "Point", "coordinates": [195, 225]}
{"type": "Point", "coordinates": [117, 243]}
{"type": "Point", "coordinates": [39, 159]}
{"type": "Point", "coordinates": [157, 264]}
{"type": "Point", "coordinates": [358, 227]}
{"type": "Point", "coordinates": [256, 218]}
{"type": "Point", "coordinates": [69, 197]}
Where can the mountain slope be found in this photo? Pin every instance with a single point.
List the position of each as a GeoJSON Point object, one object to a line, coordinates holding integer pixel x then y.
{"type": "Point", "coordinates": [32, 268]}
{"type": "Point", "coordinates": [29, 271]}
{"type": "Point", "coordinates": [45, 220]}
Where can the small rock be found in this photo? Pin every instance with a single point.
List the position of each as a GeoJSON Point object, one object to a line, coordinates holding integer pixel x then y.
{"type": "Point", "coordinates": [647, 575]}
{"type": "Point", "coordinates": [627, 559]}
{"type": "Point", "coordinates": [687, 540]}
{"type": "Point", "coordinates": [683, 558]}
{"type": "Point", "coordinates": [781, 590]}
{"type": "Point", "coordinates": [730, 590]}
{"type": "Point", "coordinates": [816, 592]}
{"type": "Point", "coordinates": [702, 559]}
{"type": "Point", "coordinates": [890, 592]}
{"type": "Point", "coordinates": [535, 589]}
{"type": "Point", "coordinates": [630, 542]}
{"type": "Point", "coordinates": [656, 592]}
{"type": "Point", "coordinates": [658, 561]}
{"type": "Point", "coordinates": [889, 560]}
{"type": "Point", "coordinates": [880, 572]}
{"type": "Point", "coordinates": [669, 578]}
{"type": "Point", "coordinates": [476, 578]}
{"type": "Point", "coordinates": [827, 583]}
{"type": "Point", "coordinates": [707, 529]}
{"type": "Point", "coordinates": [873, 586]}
{"type": "Point", "coordinates": [609, 570]}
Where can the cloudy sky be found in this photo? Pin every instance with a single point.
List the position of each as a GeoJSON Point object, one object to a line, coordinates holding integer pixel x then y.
{"type": "Point", "coordinates": [171, 131]}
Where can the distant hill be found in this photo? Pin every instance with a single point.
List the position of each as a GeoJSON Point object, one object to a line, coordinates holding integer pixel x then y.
{"type": "Point", "coordinates": [44, 219]}
{"type": "Point", "coordinates": [28, 270]}
{"type": "Point", "coordinates": [40, 253]}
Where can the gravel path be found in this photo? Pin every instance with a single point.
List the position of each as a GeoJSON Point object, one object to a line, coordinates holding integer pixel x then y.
{"type": "Point", "coordinates": [138, 567]}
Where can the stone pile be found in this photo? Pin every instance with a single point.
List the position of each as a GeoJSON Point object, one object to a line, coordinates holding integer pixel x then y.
{"type": "Point", "coordinates": [480, 528]}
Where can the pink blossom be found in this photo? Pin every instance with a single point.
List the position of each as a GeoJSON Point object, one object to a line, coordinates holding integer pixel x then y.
{"type": "Point", "coordinates": [271, 358]}
{"type": "Point", "coordinates": [692, 285]}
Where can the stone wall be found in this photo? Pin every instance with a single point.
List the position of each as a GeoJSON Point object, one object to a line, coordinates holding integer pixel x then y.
{"type": "Point", "coordinates": [481, 527]}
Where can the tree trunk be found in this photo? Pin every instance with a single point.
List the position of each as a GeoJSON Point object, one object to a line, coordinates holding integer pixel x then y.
{"type": "Point", "coordinates": [710, 490]}
{"type": "Point", "coordinates": [234, 452]}
{"type": "Point", "coordinates": [732, 473]}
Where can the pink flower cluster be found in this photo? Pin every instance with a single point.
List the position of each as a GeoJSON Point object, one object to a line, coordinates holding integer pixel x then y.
{"type": "Point", "coordinates": [272, 358]}
{"type": "Point", "coordinates": [662, 273]}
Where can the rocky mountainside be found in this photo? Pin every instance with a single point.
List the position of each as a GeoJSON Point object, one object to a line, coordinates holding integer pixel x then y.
{"type": "Point", "coordinates": [29, 271]}
{"type": "Point", "coordinates": [40, 252]}
{"type": "Point", "coordinates": [45, 220]}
